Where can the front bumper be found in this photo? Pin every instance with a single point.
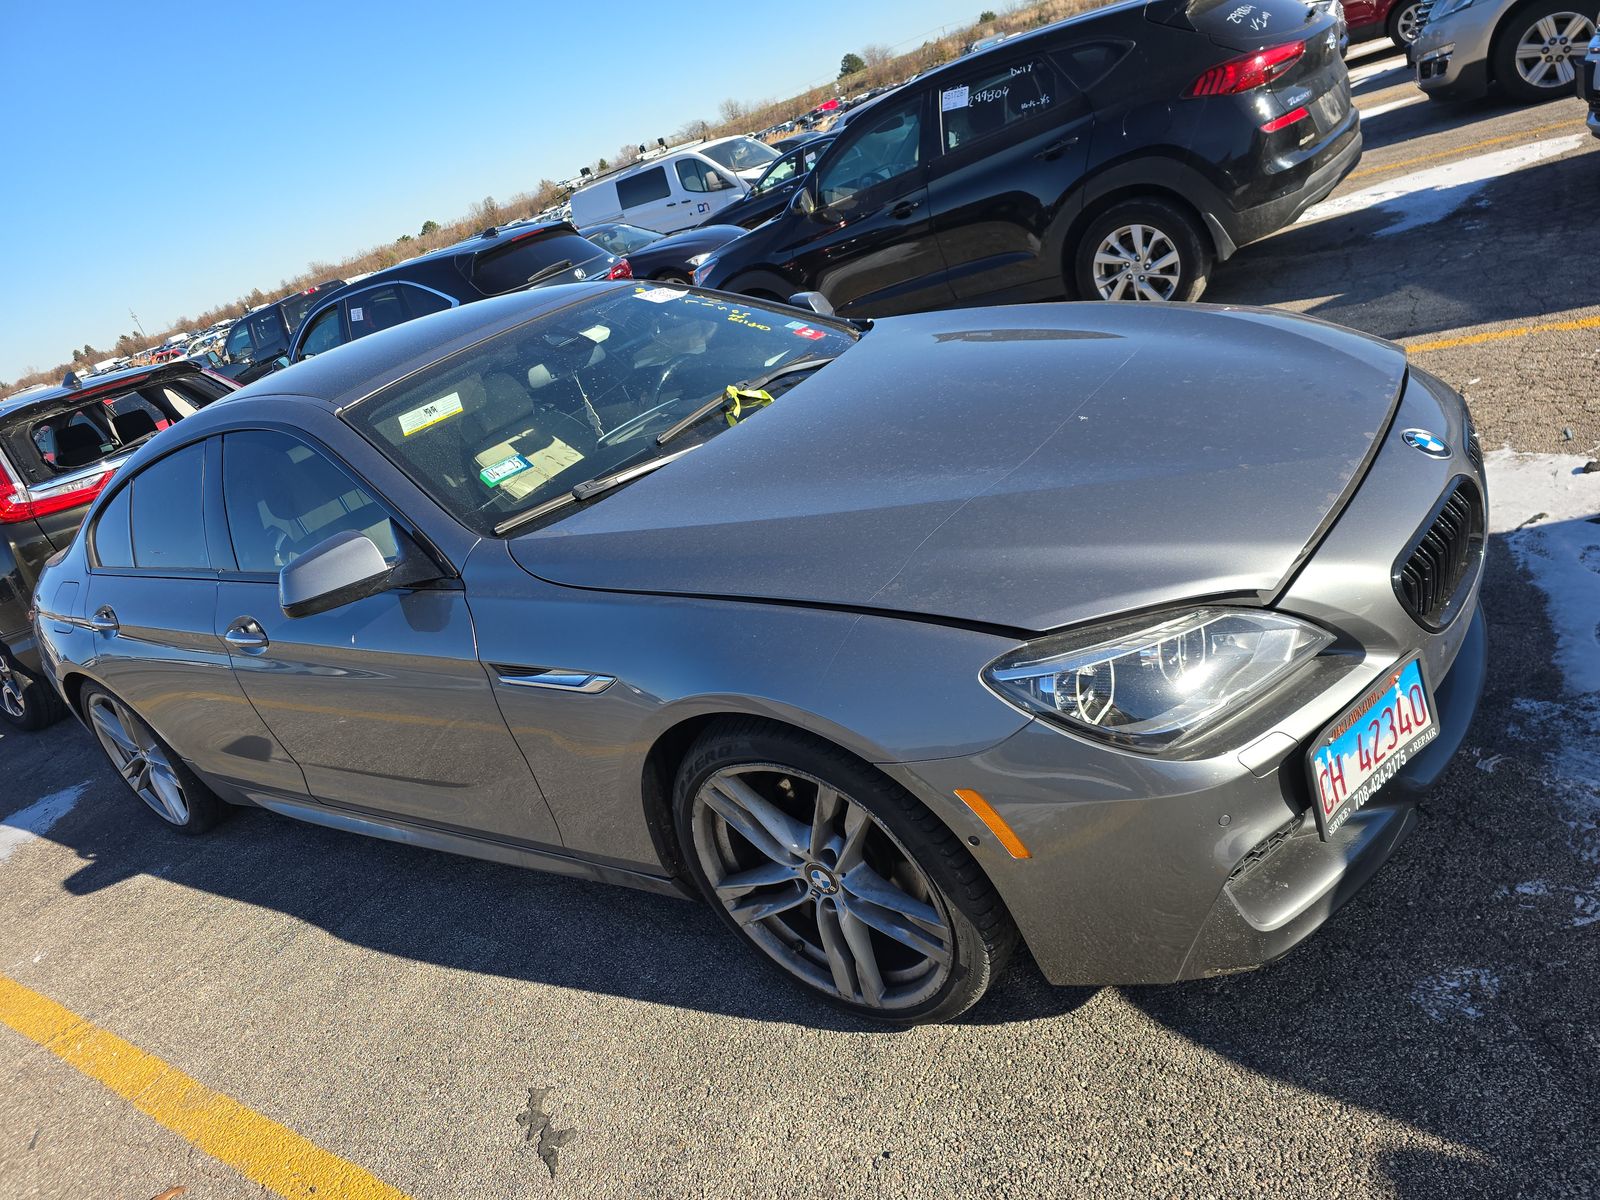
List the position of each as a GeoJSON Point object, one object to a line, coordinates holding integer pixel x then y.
{"type": "Point", "coordinates": [1451, 54]}
{"type": "Point", "coordinates": [1152, 870]}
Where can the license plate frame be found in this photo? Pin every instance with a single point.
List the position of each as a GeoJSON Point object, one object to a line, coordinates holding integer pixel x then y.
{"type": "Point", "coordinates": [1352, 724]}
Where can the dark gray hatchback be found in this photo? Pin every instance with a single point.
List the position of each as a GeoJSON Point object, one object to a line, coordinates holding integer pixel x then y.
{"type": "Point", "coordinates": [895, 644]}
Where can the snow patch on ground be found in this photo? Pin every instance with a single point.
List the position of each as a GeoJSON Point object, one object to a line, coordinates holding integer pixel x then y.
{"type": "Point", "coordinates": [28, 823]}
{"type": "Point", "coordinates": [1549, 512]}
{"type": "Point", "coordinates": [1430, 195]}
{"type": "Point", "coordinates": [1459, 992]}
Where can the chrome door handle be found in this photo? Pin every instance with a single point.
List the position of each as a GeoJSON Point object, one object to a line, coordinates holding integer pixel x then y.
{"type": "Point", "coordinates": [104, 620]}
{"type": "Point", "coordinates": [245, 635]}
{"type": "Point", "coordinates": [555, 678]}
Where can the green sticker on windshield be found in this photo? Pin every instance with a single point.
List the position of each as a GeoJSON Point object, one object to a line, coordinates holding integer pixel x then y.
{"type": "Point", "coordinates": [497, 473]}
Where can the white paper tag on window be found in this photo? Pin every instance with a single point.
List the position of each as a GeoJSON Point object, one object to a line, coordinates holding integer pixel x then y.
{"type": "Point", "coordinates": [355, 314]}
{"type": "Point", "coordinates": [954, 98]}
{"type": "Point", "coordinates": [430, 413]}
{"type": "Point", "coordinates": [658, 295]}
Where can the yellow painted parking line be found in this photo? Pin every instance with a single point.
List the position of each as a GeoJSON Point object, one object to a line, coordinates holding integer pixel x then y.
{"type": "Point", "coordinates": [1500, 335]}
{"type": "Point", "coordinates": [263, 1151]}
{"type": "Point", "coordinates": [1460, 150]}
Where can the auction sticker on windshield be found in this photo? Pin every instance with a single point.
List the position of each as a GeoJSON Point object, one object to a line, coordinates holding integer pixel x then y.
{"type": "Point", "coordinates": [430, 413]}
{"type": "Point", "coordinates": [1365, 747]}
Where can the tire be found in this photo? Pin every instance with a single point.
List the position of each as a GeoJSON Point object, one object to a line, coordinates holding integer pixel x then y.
{"type": "Point", "coordinates": [671, 277]}
{"type": "Point", "coordinates": [1563, 42]}
{"type": "Point", "coordinates": [26, 704]}
{"type": "Point", "coordinates": [1157, 230]}
{"type": "Point", "coordinates": [932, 937]}
{"type": "Point", "coordinates": [1402, 26]}
{"type": "Point", "coordinates": [150, 768]}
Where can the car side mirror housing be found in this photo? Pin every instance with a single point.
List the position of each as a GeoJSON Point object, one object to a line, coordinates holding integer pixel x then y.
{"type": "Point", "coordinates": [804, 202]}
{"type": "Point", "coordinates": [348, 567]}
{"type": "Point", "coordinates": [815, 301]}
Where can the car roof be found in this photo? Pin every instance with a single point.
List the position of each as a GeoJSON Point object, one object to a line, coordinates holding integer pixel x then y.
{"type": "Point", "coordinates": [91, 386]}
{"type": "Point", "coordinates": [359, 368]}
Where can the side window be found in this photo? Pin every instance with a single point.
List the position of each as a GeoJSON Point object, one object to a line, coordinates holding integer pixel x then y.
{"type": "Point", "coordinates": [782, 171]}
{"type": "Point", "coordinates": [324, 334]}
{"type": "Point", "coordinates": [692, 175]}
{"type": "Point", "coordinates": [1087, 64]}
{"type": "Point", "coordinates": [238, 345]}
{"type": "Point", "coordinates": [997, 96]}
{"type": "Point", "coordinates": [643, 188]}
{"type": "Point", "coordinates": [379, 308]}
{"type": "Point", "coordinates": [264, 332]}
{"type": "Point", "coordinates": [889, 146]}
{"type": "Point", "coordinates": [168, 529]}
{"type": "Point", "coordinates": [420, 301]}
{"type": "Point", "coordinates": [715, 180]}
{"type": "Point", "coordinates": [112, 545]}
{"type": "Point", "coordinates": [282, 498]}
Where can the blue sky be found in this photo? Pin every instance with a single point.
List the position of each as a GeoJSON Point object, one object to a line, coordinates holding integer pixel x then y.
{"type": "Point", "coordinates": [169, 158]}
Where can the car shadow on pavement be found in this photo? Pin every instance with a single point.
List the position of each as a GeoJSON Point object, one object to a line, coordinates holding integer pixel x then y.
{"type": "Point", "coordinates": [1456, 992]}
{"type": "Point", "coordinates": [1459, 254]}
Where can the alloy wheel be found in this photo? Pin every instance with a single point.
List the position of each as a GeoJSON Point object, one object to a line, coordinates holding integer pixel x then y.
{"type": "Point", "coordinates": [1547, 52]}
{"type": "Point", "coordinates": [822, 886]}
{"type": "Point", "coordinates": [1137, 262]}
{"type": "Point", "coordinates": [139, 759]}
{"type": "Point", "coordinates": [11, 697]}
{"type": "Point", "coordinates": [1407, 24]}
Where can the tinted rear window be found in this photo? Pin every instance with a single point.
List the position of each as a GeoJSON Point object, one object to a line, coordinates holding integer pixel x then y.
{"type": "Point", "coordinates": [506, 268]}
{"type": "Point", "coordinates": [168, 529]}
{"type": "Point", "coordinates": [643, 188]}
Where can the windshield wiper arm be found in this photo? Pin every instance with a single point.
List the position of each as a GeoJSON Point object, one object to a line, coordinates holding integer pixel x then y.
{"type": "Point", "coordinates": [749, 385]}
{"type": "Point", "coordinates": [553, 269]}
{"type": "Point", "coordinates": [589, 489]}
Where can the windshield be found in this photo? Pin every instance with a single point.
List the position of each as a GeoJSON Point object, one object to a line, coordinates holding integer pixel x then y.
{"type": "Point", "coordinates": [740, 154]}
{"type": "Point", "coordinates": [621, 239]}
{"type": "Point", "coordinates": [519, 419]}
{"type": "Point", "coordinates": [294, 308]}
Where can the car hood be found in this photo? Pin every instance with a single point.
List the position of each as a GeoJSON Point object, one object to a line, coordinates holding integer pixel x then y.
{"type": "Point", "coordinates": [699, 240]}
{"type": "Point", "coordinates": [1027, 467]}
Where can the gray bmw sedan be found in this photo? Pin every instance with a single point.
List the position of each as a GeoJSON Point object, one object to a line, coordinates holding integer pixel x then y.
{"type": "Point", "coordinates": [1129, 631]}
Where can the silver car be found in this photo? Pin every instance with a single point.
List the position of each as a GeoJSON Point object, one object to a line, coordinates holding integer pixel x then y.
{"type": "Point", "coordinates": [1128, 632]}
{"type": "Point", "coordinates": [1531, 52]}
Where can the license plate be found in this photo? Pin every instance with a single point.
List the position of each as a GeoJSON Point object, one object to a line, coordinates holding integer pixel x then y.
{"type": "Point", "coordinates": [1362, 750]}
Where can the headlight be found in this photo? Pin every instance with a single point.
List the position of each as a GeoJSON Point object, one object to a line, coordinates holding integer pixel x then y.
{"type": "Point", "coordinates": [1149, 686]}
{"type": "Point", "coordinates": [1447, 8]}
{"type": "Point", "coordinates": [703, 268]}
{"type": "Point", "coordinates": [699, 258]}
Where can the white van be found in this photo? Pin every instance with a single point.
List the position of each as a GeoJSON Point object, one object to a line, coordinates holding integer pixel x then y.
{"type": "Point", "coordinates": [677, 190]}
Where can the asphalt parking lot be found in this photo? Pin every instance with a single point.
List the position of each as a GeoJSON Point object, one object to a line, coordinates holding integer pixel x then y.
{"type": "Point", "coordinates": [334, 1015]}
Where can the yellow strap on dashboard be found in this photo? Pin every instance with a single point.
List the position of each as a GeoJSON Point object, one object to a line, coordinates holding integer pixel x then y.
{"type": "Point", "coordinates": [739, 403]}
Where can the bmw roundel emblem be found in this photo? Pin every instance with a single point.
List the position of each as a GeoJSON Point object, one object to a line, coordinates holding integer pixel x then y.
{"type": "Point", "coordinates": [1421, 439]}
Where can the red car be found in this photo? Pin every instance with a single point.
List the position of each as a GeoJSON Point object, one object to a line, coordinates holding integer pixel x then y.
{"type": "Point", "coordinates": [1396, 19]}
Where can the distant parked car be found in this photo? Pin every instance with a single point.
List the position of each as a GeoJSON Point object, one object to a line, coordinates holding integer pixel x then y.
{"type": "Point", "coordinates": [1589, 85]}
{"type": "Point", "coordinates": [1112, 156]}
{"type": "Point", "coordinates": [653, 256]}
{"type": "Point", "coordinates": [1529, 51]}
{"type": "Point", "coordinates": [785, 144]}
{"type": "Point", "coordinates": [258, 343]}
{"type": "Point", "coordinates": [770, 194]}
{"type": "Point", "coordinates": [493, 263]}
{"type": "Point", "coordinates": [58, 449]}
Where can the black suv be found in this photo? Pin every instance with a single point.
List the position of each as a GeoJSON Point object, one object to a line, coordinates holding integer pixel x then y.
{"type": "Point", "coordinates": [1116, 155]}
{"type": "Point", "coordinates": [258, 342]}
{"type": "Point", "coordinates": [58, 448]}
{"type": "Point", "coordinates": [494, 262]}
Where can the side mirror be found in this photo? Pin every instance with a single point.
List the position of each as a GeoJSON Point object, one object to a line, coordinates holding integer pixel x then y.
{"type": "Point", "coordinates": [345, 568]}
{"type": "Point", "coordinates": [804, 202]}
{"type": "Point", "coordinates": [815, 301]}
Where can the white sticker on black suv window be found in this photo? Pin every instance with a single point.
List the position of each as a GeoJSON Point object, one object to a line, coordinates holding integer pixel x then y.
{"type": "Point", "coordinates": [430, 413]}
{"type": "Point", "coordinates": [954, 98]}
{"type": "Point", "coordinates": [355, 314]}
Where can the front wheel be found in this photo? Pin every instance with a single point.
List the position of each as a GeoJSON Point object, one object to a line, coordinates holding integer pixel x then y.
{"type": "Point", "coordinates": [836, 876]}
{"type": "Point", "coordinates": [149, 766]}
{"type": "Point", "coordinates": [1538, 53]}
{"type": "Point", "coordinates": [1405, 22]}
{"type": "Point", "coordinates": [1143, 250]}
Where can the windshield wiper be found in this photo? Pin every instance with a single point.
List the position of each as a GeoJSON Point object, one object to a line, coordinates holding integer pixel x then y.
{"type": "Point", "coordinates": [553, 269]}
{"type": "Point", "coordinates": [719, 401]}
{"type": "Point", "coordinates": [589, 489]}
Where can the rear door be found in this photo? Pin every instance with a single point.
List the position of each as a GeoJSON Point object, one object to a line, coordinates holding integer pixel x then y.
{"type": "Point", "coordinates": [1013, 142]}
{"type": "Point", "coordinates": [151, 600]}
{"type": "Point", "coordinates": [870, 245]}
{"type": "Point", "coordinates": [649, 199]}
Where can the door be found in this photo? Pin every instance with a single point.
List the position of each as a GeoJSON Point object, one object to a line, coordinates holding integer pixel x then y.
{"type": "Point", "coordinates": [1013, 144]}
{"type": "Point", "coordinates": [706, 190]}
{"type": "Point", "coordinates": [649, 200]}
{"type": "Point", "coordinates": [152, 600]}
{"type": "Point", "coordinates": [382, 702]}
{"type": "Point", "coordinates": [869, 246]}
